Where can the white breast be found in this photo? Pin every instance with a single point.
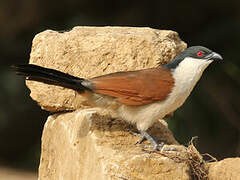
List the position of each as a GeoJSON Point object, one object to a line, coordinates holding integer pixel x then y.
{"type": "Point", "coordinates": [186, 76]}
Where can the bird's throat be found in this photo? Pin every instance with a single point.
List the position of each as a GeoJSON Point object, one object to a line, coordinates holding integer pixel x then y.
{"type": "Point", "coordinates": [186, 76]}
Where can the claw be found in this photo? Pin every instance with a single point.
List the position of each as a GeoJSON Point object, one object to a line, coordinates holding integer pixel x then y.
{"type": "Point", "coordinates": [169, 149]}
{"type": "Point", "coordinates": [150, 139]}
{"type": "Point", "coordinates": [155, 146]}
{"type": "Point", "coordinates": [140, 141]}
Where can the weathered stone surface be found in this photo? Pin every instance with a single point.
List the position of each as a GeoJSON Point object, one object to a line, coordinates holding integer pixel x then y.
{"type": "Point", "coordinates": [92, 51]}
{"type": "Point", "coordinates": [226, 169]}
{"type": "Point", "coordinates": [88, 145]}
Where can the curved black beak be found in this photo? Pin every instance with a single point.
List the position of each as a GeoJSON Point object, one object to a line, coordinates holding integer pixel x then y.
{"type": "Point", "coordinates": [215, 56]}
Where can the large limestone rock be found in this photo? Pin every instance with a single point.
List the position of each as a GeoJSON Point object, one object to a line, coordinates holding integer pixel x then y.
{"type": "Point", "coordinates": [93, 51]}
{"type": "Point", "coordinates": [90, 145]}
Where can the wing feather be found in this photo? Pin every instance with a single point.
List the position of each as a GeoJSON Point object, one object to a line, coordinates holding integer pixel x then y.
{"type": "Point", "coordinates": [136, 87]}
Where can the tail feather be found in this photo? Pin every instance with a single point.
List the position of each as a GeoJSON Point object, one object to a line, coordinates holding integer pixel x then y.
{"type": "Point", "coordinates": [50, 76]}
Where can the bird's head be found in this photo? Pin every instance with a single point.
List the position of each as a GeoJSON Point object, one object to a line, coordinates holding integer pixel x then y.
{"type": "Point", "coordinates": [195, 55]}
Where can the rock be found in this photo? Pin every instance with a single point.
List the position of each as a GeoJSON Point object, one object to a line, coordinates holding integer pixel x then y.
{"type": "Point", "coordinates": [93, 51]}
{"type": "Point", "coordinates": [228, 168]}
{"type": "Point", "coordinates": [89, 144]}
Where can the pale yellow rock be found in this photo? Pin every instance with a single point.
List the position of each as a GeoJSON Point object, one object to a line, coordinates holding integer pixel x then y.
{"type": "Point", "coordinates": [227, 169]}
{"type": "Point", "coordinates": [93, 51]}
{"type": "Point", "coordinates": [89, 145]}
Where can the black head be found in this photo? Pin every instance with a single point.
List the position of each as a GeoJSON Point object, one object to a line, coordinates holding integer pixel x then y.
{"type": "Point", "coordinates": [197, 52]}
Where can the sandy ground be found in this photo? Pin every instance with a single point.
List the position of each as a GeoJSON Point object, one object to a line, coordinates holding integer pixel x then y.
{"type": "Point", "coordinates": [15, 174]}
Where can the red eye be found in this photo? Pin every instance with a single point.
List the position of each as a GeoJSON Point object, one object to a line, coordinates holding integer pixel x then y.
{"type": "Point", "coordinates": [199, 54]}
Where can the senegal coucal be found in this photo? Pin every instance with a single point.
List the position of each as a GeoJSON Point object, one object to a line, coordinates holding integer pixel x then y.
{"type": "Point", "coordinates": [139, 97]}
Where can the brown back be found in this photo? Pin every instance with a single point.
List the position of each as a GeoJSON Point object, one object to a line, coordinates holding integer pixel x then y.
{"type": "Point", "coordinates": [136, 87]}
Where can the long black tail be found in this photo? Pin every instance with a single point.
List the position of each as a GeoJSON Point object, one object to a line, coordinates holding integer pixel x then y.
{"type": "Point", "coordinates": [50, 76]}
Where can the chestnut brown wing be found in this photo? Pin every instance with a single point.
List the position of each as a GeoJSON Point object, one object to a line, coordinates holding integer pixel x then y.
{"type": "Point", "coordinates": [136, 87]}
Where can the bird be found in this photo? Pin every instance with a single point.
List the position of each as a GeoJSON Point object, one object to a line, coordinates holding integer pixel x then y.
{"type": "Point", "coordinates": [140, 97]}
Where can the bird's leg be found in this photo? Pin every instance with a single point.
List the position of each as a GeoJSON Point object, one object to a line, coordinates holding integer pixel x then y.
{"type": "Point", "coordinates": [143, 138]}
{"type": "Point", "coordinates": [155, 145]}
{"type": "Point", "coordinates": [140, 141]}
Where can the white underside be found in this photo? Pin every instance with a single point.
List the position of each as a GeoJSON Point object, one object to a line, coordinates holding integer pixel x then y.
{"type": "Point", "coordinates": [186, 76]}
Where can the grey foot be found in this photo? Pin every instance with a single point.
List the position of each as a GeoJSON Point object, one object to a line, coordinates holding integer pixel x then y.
{"type": "Point", "coordinates": [150, 139]}
{"type": "Point", "coordinates": [155, 145]}
{"type": "Point", "coordinates": [143, 137]}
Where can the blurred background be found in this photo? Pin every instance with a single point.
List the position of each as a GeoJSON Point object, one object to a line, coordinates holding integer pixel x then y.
{"type": "Point", "coordinates": [212, 111]}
